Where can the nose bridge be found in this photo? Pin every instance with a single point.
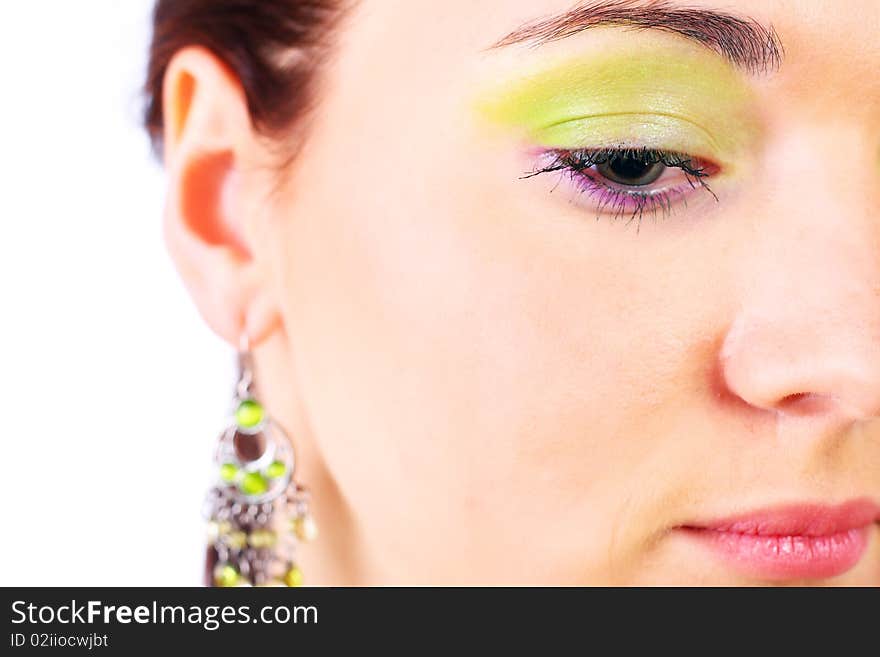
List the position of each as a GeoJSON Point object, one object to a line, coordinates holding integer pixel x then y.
{"type": "Point", "coordinates": [806, 338]}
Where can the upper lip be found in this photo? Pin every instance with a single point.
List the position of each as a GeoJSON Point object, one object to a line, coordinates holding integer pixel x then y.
{"type": "Point", "coordinates": [806, 519]}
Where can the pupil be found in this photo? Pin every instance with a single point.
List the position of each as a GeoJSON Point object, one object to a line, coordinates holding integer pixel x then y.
{"type": "Point", "coordinates": [628, 170]}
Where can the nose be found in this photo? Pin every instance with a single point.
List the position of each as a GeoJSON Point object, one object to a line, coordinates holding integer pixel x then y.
{"type": "Point", "coordinates": [805, 341]}
{"type": "Point", "coordinates": [795, 364]}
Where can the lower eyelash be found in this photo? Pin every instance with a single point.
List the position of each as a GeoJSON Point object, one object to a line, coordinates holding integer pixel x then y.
{"type": "Point", "coordinates": [634, 204]}
{"type": "Point", "coordinates": [620, 202]}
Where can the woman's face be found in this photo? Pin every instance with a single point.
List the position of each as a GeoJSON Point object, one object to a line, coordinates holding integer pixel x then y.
{"type": "Point", "coordinates": [549, 378]}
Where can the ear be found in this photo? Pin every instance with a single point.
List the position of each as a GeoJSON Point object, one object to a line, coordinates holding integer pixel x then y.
{"type": "Point", "coordinates": [210, 148]}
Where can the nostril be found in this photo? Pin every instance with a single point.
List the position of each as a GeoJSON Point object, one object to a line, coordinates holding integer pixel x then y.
{"type": "Point", "coordinates": [804, 403]}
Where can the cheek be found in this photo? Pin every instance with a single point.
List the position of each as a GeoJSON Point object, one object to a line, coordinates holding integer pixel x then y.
{"type": "Point", "coordinates": [466, 375]}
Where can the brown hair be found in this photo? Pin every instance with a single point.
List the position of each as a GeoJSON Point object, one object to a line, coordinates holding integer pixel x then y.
{"type": "Point", "coordinates": [272, 46]}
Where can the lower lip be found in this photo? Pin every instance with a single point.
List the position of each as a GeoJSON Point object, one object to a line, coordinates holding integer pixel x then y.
{"type": "Point", "coordinates": [783, 549]}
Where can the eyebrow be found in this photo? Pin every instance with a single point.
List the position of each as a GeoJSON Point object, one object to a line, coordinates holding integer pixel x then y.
{"type": "Point", "coordinates": [743, 41]}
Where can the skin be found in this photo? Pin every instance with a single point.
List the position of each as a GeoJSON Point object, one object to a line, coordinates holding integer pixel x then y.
{"type": "Point", "coordinates": [486, 383]}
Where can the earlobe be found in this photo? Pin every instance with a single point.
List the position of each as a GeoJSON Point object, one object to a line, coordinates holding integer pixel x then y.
{"type": "Point", "coordinates": [208, 142]}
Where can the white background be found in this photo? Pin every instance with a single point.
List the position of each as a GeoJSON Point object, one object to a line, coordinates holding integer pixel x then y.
{"type": "Point", "coordinates": [112, 388]}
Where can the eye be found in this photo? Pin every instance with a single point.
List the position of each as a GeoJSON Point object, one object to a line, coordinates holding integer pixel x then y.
{"type": "Point", "coordinates": [629, 170]}
{"type": "Point", "coordinates": [630, 181]}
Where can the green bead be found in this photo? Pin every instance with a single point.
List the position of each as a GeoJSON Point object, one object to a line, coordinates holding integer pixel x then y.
{"type": "Point", "coordinates": [249, 414]}
{"type": "Point", "coordinates": [253, 483]}
{"type": "Point", "coordinates": [225, 575]}
{"type": "Point", "coordinates": [293, 577]}
{"type": "Point", "coordinates": [275, 470]}
{"type": "Point", "coordinates": [228, 472]}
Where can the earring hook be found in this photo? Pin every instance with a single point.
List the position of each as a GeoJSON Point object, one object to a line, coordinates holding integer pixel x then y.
{"type": "Point", "coordinates": [245, 368]}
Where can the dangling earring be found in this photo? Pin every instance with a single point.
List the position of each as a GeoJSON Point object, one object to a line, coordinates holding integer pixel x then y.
{"type": "Point", "coordinates": [257, 513]}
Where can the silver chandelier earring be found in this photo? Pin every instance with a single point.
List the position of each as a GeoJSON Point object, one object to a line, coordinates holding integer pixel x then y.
{"type": "Point", "coordinates": [257, 513]}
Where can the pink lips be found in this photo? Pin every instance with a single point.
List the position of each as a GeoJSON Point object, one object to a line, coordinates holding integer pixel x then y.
{"type": "Point", "coordinates": [793, 542]}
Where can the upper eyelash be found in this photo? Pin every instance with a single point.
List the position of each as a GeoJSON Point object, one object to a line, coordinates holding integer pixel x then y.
{"type": "Point", "coordinates": [586, 158]}
{"type": "Point", "coordinates": [576, 162]}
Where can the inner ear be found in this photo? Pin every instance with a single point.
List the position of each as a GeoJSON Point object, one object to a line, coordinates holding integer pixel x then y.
{"type": "Point", "coordinates": [209, 183]}
{"type": "Point", "coordinates": [176, 119]}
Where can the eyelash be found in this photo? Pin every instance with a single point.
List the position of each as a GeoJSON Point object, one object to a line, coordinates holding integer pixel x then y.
{"type": "Point", "coordinates": [623, 200]}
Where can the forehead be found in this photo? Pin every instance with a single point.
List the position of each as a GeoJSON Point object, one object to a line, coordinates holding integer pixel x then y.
{"type": "Point", "coordinates": [483, 22]}
{"type": "Point", "coordinates": [820, 40]}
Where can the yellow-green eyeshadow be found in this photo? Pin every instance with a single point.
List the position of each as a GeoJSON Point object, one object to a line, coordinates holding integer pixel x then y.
{"type": "Point", "coordinates": [697, 104]}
